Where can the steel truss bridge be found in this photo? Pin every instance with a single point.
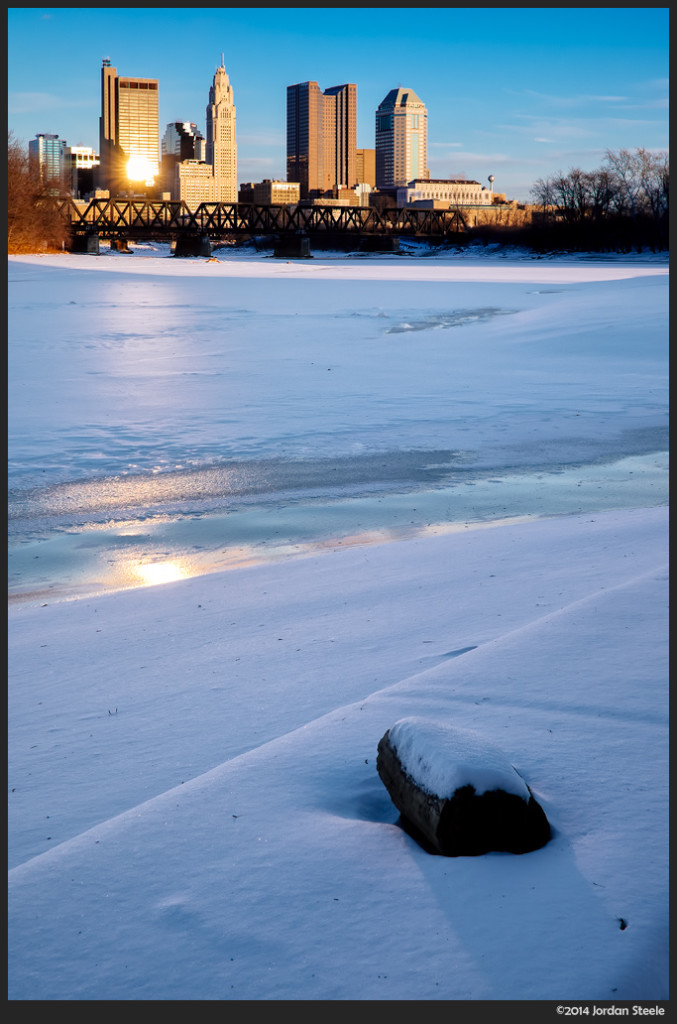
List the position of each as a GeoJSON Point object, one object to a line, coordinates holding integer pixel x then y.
{"type": "Point", "coordinates": [122, 220]}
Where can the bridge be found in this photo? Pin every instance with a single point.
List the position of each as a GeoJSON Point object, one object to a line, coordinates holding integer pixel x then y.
{"type": "Point", "coordinates": [124, 220]}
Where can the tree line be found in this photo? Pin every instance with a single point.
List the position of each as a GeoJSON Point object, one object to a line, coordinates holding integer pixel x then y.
{"type": "Point", "coordinates": [623, 204]}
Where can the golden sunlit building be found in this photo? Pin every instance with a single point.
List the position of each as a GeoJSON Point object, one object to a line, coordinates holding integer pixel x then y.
{"type": "Point", "coordinates": [129, 132]}
{"type": "Point", "coordinates": [366, 167]}
{"type": "Point", "coordinates": [194, 183]}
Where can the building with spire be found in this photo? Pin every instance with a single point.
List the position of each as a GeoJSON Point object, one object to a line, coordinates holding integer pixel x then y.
{"type": "Point", "coordinates": [401, 140]}
{"type": "Point", "coordinates": [221, 143]}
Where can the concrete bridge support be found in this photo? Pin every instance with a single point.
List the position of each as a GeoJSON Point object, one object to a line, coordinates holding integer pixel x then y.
{"type": "Point", "coordinates": [88, 243]}
{"type": "Point", "coordinates": [379, 243]}
{"type": "Point", "coordinates": [193, 245]}
{"type": "Point", "coordinates": [292, 247]}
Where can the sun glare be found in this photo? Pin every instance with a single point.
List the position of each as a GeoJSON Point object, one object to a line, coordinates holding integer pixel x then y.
{"type": "Point", "coordinates": [160, 572]}
{"type": "Point", "coordinates": [139, 168]}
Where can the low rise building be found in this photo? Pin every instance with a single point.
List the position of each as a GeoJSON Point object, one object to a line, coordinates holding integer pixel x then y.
{"type": "Point", "coordinates": [453, 192]}
{"type": "Point", "coordinates": [194, 183]}
{"type": "Point", "coordinates": [274, 193]}
{"type": "Point", "coordinates": [80, 163]}
{"type": "Point", "coordinates": [366, 167]}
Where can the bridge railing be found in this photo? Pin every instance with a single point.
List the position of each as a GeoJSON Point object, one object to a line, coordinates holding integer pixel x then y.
{"type": "Point", "coordinates": [117, 218]}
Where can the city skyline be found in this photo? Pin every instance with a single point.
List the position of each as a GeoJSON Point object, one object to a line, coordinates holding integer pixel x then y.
{"type": "Point", "coordinates": [519, 93]}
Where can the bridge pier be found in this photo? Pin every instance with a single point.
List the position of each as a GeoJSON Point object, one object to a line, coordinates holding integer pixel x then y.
{"type": "Point", "coordinates": [193, 245]}
{"type": "Point", "coordinates": [119, 245]}
{"type": "Point", "coordinates": [88, 243]}
{"type": "Point", "coordinates": [293, 247]}
{"type": "Point", "coordinates": [379, 243]}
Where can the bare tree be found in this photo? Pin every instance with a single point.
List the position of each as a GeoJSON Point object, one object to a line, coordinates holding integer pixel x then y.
{"type": "Point", "coordinates": [624, 202]}
{"type": "Point", "coordinates": [33, 221]}
{"type": "Point", "coordinates": [654, 174]}
{"type": "Point", "coordinates": [624, 167]}
{"type": "Point", "coordinates": [599, 194]}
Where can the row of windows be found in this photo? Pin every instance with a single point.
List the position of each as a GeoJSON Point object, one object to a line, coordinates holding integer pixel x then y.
{"type": "Point", "coordinates": [126, 84]}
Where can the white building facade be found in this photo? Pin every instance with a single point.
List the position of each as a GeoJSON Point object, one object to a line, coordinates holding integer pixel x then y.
{"type": "Point", "coordinates": [454, 192]}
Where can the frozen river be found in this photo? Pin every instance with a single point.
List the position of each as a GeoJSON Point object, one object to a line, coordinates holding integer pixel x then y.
{"type": "Point", "coordinates": [172, 417]}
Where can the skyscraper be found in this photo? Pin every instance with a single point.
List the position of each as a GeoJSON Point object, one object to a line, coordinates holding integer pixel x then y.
{"type": "Point", "coordinates": [341, 118]}
{"type": "Point", "coordinates": [47, 153]}
{"type": "Point", "coordinates": [321, 137]}
{"type": "Point", "coordinates": [401, 139]}
{"type": "Point", "coordinates": [181, 141]}
{"type": "Point", "coordinates": [221, 143]}
{"type": "Point", "coordinates": [129, 133]}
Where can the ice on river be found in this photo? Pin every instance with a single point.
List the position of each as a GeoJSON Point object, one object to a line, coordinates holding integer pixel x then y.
{"type": "Point", "coordinates": [248, 405]}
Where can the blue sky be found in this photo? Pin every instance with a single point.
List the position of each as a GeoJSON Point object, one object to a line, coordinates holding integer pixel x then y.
{"type": "Point", "coordinates": [517, 92]}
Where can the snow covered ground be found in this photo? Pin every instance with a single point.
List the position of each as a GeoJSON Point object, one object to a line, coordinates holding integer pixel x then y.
{"type": "Point", "coordinates": [194, 808]}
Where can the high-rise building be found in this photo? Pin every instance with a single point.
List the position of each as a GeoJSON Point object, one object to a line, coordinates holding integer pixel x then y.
{"type": "Point", "coordinates": [129, 141]}
{"type": "Point", "coordinates": [221, 143]}
{"type": "Point", "coordinates": [47, 154]}
{"type": "Point", "coordinates": [181, 141]}
{"type": "Point", "coordinates": [321, 137]}
{"type": "Point", "coordinates": [341, 122]}
{"type": "Point", "coordinates": [401, 139]}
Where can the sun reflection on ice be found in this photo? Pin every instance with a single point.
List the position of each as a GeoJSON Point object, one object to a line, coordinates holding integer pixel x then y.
{"type": "Point", "coordinates": [152, 573]}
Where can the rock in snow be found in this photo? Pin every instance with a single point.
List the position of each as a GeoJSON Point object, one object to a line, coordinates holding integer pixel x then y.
{"type": "Point", "coordinates": [457, 793]}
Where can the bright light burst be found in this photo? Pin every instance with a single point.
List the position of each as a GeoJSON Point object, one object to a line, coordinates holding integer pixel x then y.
{"type": "Point", "coordinates": [139, 168]}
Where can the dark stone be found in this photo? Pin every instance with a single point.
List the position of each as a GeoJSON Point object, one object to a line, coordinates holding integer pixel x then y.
{"type": "Point", "coordinates": [464, 824]}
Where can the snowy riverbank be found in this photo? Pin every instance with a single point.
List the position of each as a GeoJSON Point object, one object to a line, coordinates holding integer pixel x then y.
{"type": "Point", "coordinates": [194, 808]}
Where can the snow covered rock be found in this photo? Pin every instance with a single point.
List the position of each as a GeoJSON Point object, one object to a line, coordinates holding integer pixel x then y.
{"type": "Point", "coordinates": [457, 793]}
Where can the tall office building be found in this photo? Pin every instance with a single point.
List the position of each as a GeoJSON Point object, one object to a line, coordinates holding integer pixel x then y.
{"type": "Point", "coordinates": [181, 141]}
{"type": "Point", "coordinates": [129, 134]}
{"type": "Point", "coordinates": [221, 143]}
{"type": "Point", "coordinates": [341, 121]}
{"type": "Point", "coordinates": [321, 137]}
{"type": "Point", "coordinates": [47, 154]}
{"type": "Point", "coordinates": [401, 139]}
